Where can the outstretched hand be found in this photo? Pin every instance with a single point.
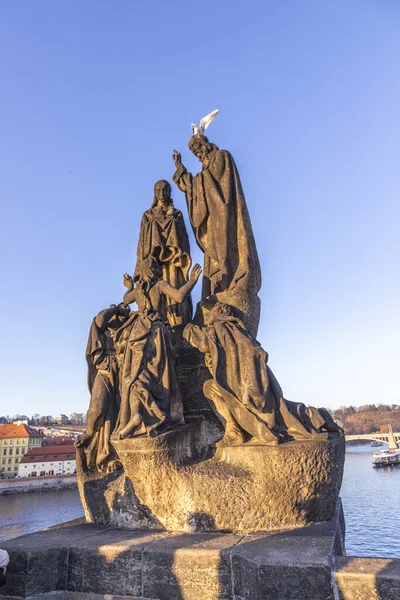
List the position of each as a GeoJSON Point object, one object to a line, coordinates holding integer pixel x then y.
{"type": "Point", "coordinates": [177, 158]}
{"type": "Point", "coordinates": [128, 281]}
{"type": "Point", "coordinates": [195, 273]}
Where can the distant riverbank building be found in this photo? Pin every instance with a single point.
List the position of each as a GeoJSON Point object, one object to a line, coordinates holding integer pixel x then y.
{"type": "Point", "coordinates": [61, 420]}
{"type": "Point", "coordinates": [48, 460]}
{"type": "Point", "coordinates": [15, 442]}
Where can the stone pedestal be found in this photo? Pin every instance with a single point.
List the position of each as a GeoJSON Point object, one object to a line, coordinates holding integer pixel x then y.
{"type": "Point", "coordinates": [171, 483]}
{"type": "Point", "coordinates": [95, 562]}
{"type": "Point", "coordinates": [192, 373]}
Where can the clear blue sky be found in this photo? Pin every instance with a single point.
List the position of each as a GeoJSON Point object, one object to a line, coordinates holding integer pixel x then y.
{"type": "Point", "coordinates": [95, 95]}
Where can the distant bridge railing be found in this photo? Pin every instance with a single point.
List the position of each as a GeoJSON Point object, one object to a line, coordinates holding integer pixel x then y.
{"type": "Point", "coordinates": [392, 438]}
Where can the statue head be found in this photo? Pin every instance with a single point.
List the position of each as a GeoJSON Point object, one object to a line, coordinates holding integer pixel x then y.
{"type": "Point", "coordinates": [201, 147]}
{"type": "Point", "coordinates": [149, 271]}
{"type": "Point", "coordinates": [162, 194]}
{"type": "Point", "coordinates": [219, 312]}
{"type": "Point", "coordinates": [124, 310]}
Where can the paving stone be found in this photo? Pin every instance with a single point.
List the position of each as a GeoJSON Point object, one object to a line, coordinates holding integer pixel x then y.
{"type": "Point", "coordinates": [367, 578]}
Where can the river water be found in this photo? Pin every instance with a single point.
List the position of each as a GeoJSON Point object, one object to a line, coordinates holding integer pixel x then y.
{"type": "Point", "coordinates": [371, 501]}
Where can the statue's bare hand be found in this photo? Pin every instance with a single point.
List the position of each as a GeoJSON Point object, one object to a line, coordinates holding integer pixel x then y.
{"type": "Point", "coordinates": [128, 281]}
{"type": "Point", "coordinates": [177, 158]}
{"type": "Point", "coordinates": [114, 465]}
{"type": "Point", "coordinates": [195, 273]}
{"type": "Point", "coordinates": [83, 440]}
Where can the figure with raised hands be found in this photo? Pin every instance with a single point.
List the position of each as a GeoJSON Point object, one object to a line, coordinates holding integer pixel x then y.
{"type": "Point", "coordinates": [150, 396]}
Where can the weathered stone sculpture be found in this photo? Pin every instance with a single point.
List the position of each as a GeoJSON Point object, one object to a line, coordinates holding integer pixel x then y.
{"type": "Point", "coordinates": [258, 462]}
{"type": "Point", "coordinates": [103, 384]}
{"type": "Point", "coordinates": [150, 397]}
{"type": "Point", "coordinates": [220, 220]}
{"type": "Point", "coordinates": [155, 457]}
{"type": "Point", "coordinates": [163, 235]}
{"type": "Point", "coordinates": [244, 392]}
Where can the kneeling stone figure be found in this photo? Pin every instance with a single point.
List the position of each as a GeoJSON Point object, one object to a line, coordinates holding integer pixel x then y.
{"type": "Point", "coordinates": [243, 392]}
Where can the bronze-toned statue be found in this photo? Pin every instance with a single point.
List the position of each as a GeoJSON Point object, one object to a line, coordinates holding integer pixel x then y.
{"type": "Point", "coordinates": [103, 384]}
{"type": "Point", "coordinates": [244, 393]}
{"type": "Point", "coordinates": [163, 235]}
{"type": "Point", "coordinates": [220, 219]}
{"type": "Point", "coordinates": [150, 397]}
{"type": "Point", "coordinates": [277, 465]}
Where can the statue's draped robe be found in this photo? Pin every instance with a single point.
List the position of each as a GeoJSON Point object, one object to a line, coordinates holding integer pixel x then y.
{"type": "Point", "coordinates": [163, 235]}
{"type": "Point", "coordinates": [147, 369]}
{"type": "Point", "coordinates": [221, 223]}
{"type": "Point", "coordinates": [104, 396]}
{"type": "Point", "coordinates": [239, 367]}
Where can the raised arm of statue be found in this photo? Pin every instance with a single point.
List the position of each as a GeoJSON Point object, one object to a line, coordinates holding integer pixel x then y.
{"type": "Point", "coordinates": [130, 295]}
{"type": "Point", "coordinates": [183, 292]}
{"type": "Point", "coordinates": [181, 177]}
{"type": "Point", "coordinates": [177, 159]}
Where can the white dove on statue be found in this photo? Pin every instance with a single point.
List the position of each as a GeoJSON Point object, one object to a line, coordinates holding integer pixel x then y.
{"type": "Point", "coordinates": [204, 123]}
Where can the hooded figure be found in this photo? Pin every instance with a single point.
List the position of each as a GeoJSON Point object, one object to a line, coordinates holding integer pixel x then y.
{"type": "Point", "coordinates": [244, 393]}
{"type": "Point", "coordinates": [103, 385]}
{"type": "Point", "coordinates": [220, 219]}
{"type": "Point", "coordinates": [163, 235]}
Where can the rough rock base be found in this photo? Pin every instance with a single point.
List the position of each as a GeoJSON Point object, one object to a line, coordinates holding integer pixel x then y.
{"type": "Point", "coordinates": [167, 484]}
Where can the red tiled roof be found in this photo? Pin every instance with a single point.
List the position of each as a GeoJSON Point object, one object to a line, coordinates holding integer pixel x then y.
{"type": "Point", "coordinates": [18, 431]}
{"type": "Point", "coordinates": [46, 453]}
{"type": "Point", "coordinates": [58, 440]}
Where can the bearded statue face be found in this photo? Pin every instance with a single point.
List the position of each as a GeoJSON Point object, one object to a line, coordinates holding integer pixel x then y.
{"type": "Point", "coordinates": [199, 145]}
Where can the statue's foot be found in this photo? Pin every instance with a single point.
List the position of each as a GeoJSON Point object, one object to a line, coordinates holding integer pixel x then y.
{"type": "Point", "coordinates": [114, 465]}
{"type": "Point", "coordinates": [131, 428]}
{"type": "Point", "coordinates": [272, 442]}
{"type": "Point", "coordinates": [306, 435]}
{"type": "Point", "coordinates": [83, 440]}
{"type": "Point", "coordinates": [141, 430]}
{"type": "Point", "coordinates": [332, 429]}
{"type": "Point", "coordinates": [233, 437]}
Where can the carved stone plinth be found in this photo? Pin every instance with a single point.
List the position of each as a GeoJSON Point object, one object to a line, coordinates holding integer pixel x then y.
{"type": "Point", "coordinates": [96, 562]}
{"type": "Point", "coordinates": [169, 483]}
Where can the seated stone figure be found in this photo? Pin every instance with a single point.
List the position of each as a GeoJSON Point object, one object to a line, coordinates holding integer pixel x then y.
{"type": "Point", "coordinates": [103, 384]}
{"type": "Point", "coordinates": [150, 397]}
{"type": "Point", "coordinates": [243, 392]}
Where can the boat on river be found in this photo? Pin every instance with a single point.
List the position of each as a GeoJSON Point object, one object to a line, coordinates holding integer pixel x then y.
{"type": "Point", "coordinates": [376, 443]}
{"type": "Point", "coordinates": [386, 458]}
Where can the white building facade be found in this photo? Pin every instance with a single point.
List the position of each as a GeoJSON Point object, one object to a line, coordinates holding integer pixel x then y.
{"type": "Point", "coordinates": [48, 460]}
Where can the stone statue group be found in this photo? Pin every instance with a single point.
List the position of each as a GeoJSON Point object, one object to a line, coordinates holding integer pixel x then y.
{"type": "Point", "coordinates": [130, 353]}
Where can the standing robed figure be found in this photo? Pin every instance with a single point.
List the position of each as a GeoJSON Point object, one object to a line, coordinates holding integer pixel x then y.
{"type": "Point", "coordinates": [163, 235]}
{"type": "Point", "coordinates": [219, 218]}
